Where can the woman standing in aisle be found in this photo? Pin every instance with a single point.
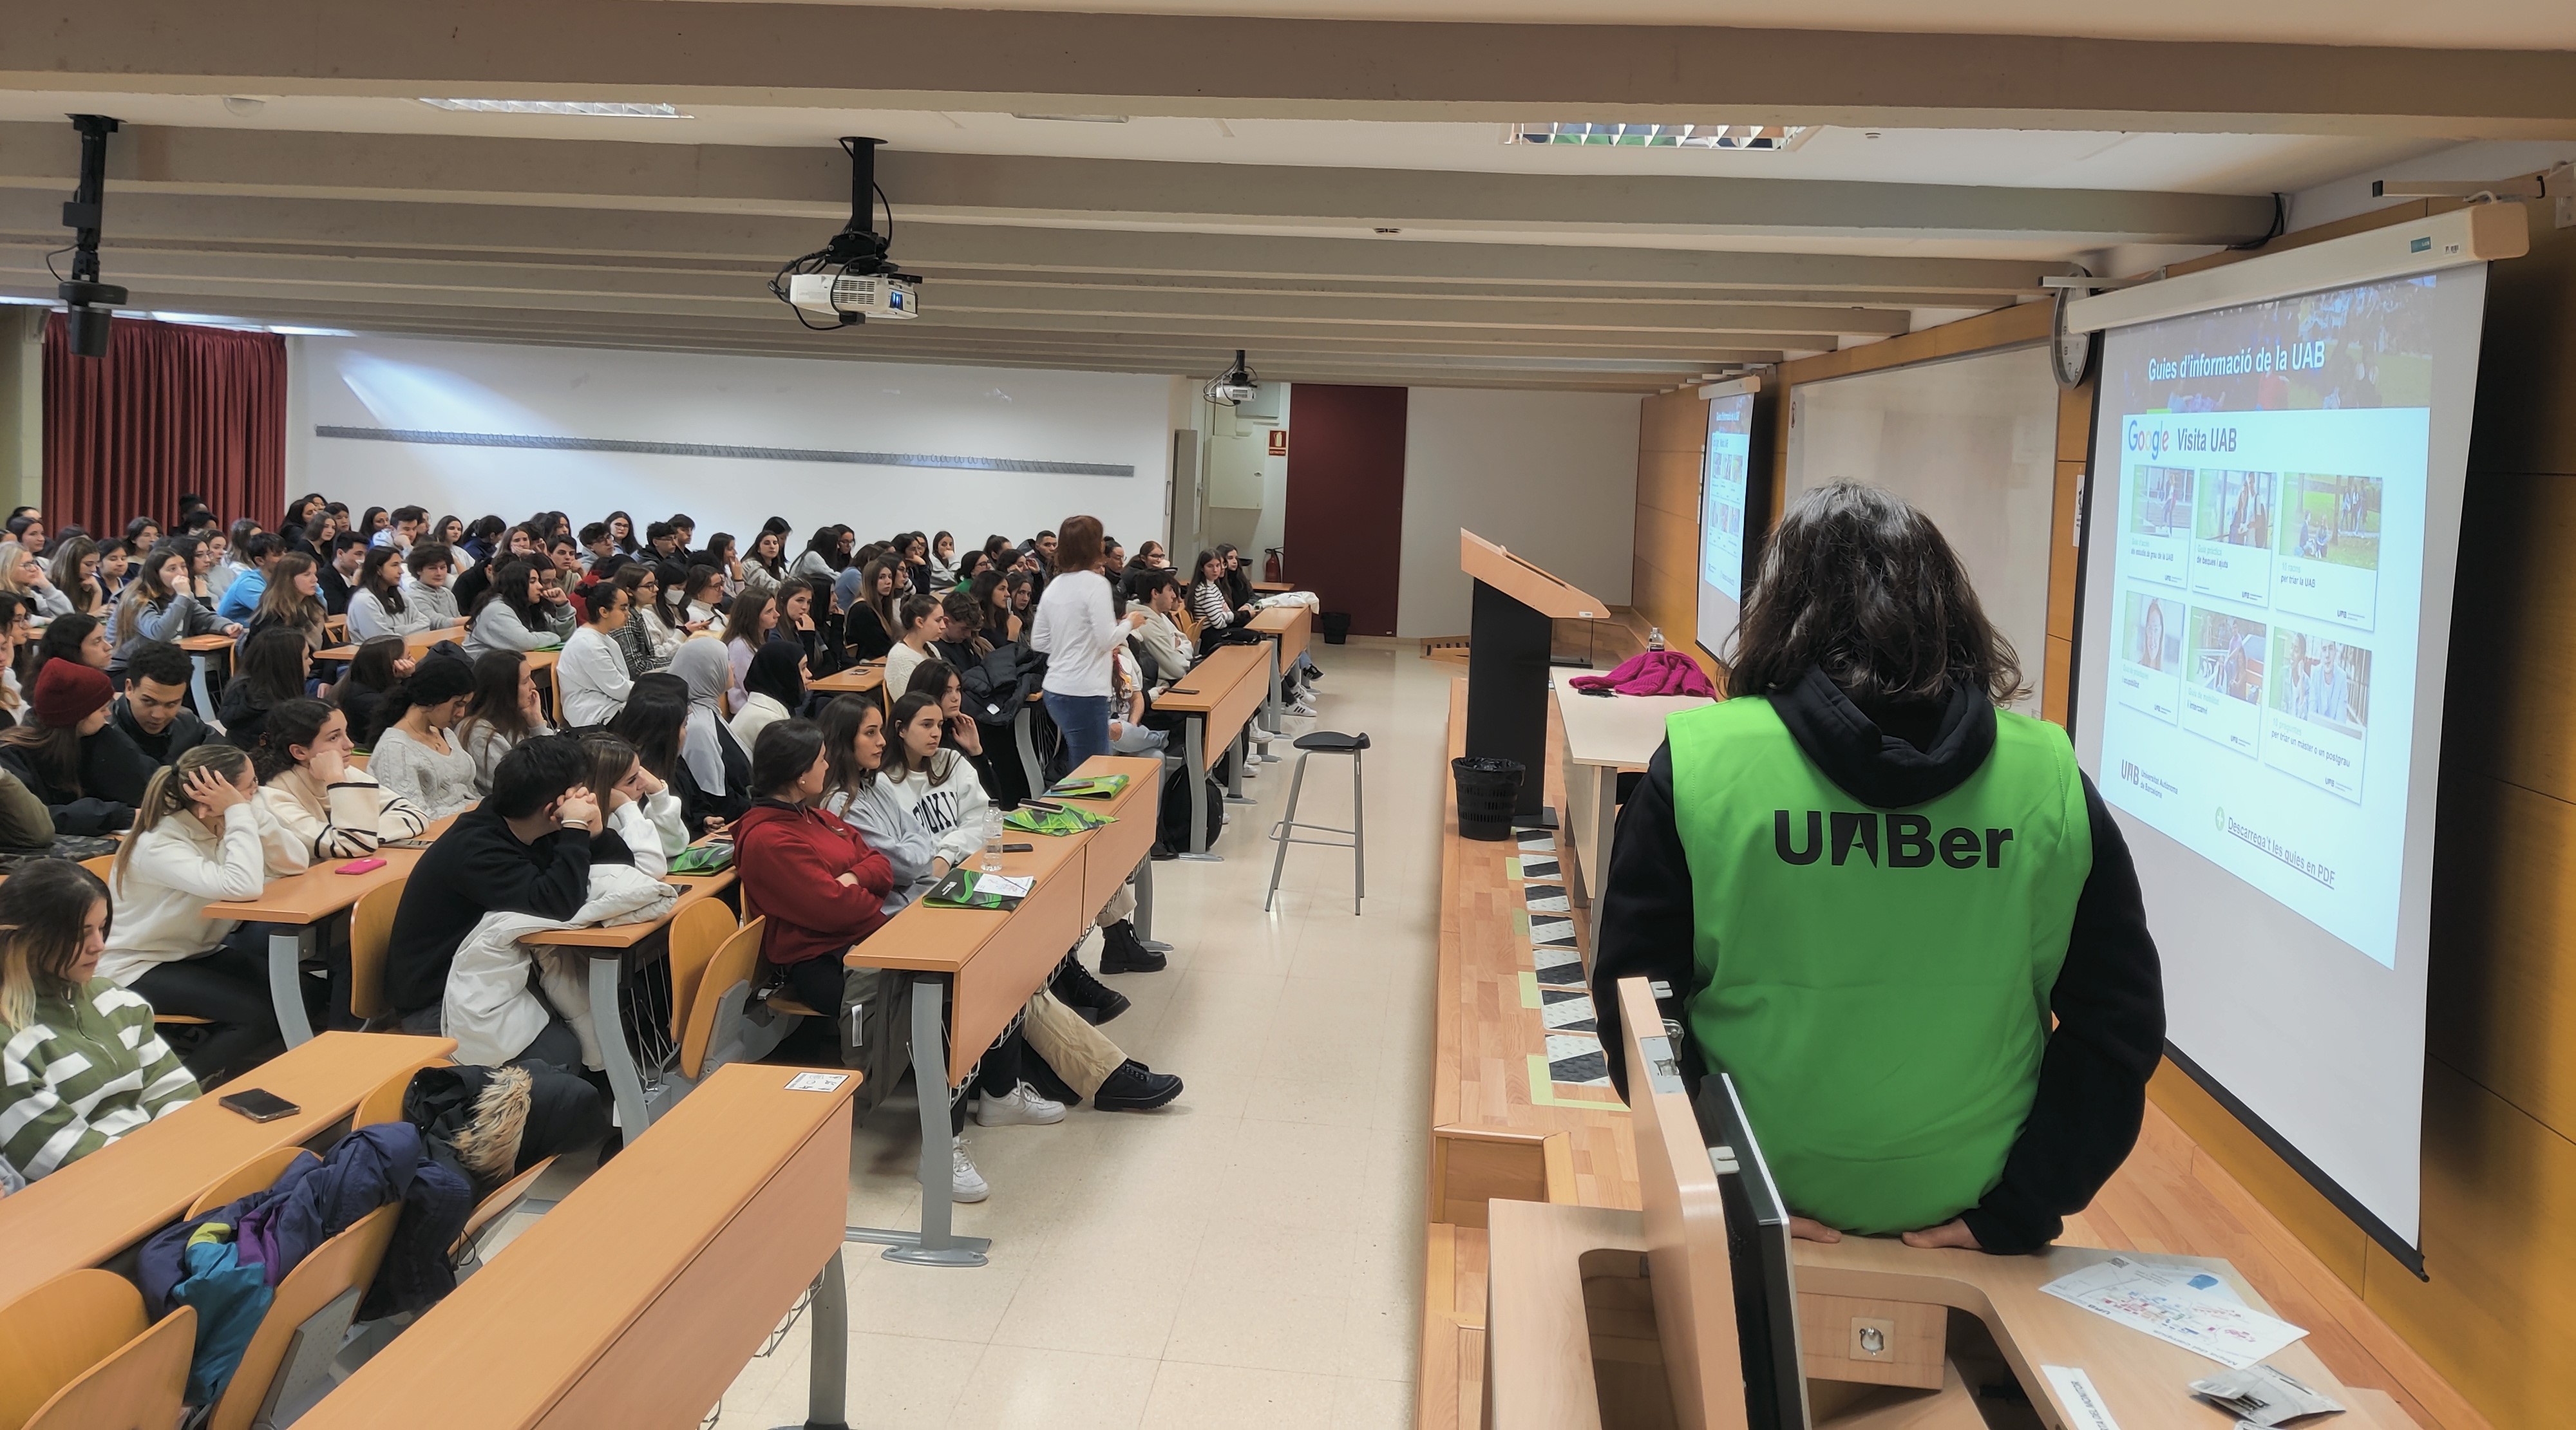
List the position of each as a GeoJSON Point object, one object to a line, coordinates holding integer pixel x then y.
{"type": "Point", "coordinates": [1077, 629]}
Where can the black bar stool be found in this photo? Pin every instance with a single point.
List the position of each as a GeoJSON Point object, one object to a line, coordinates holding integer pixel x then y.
{"type": "Point", "coordinates": [1324, 742]}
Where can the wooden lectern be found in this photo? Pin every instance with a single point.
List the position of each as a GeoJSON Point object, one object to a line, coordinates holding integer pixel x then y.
{"type": "Point", "coordinates": [1598, 1319]}
{"type": "Point", "coordinates": [1507, 653]}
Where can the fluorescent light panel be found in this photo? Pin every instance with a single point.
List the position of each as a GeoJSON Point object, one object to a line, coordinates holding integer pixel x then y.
{"type": "Point", "coordinates": [600, 109]}
{"type": "Point", "coordinates": [1750, 137]}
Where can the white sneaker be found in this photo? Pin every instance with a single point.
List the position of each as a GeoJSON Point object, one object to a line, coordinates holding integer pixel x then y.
{"type": "Point", "coordinates": [965, 1184]}
{"type": "Point", "coordinates": [1302, 709]}
{"type": "Point", "coordinates": [1022, 1106]}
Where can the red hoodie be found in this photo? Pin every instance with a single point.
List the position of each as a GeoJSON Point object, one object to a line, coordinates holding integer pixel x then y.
{"type": "Point", "coordinates": [791, 860]}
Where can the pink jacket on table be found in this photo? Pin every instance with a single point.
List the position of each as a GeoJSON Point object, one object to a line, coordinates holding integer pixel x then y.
{"type": "Point", "coordinates": [1653, 672]}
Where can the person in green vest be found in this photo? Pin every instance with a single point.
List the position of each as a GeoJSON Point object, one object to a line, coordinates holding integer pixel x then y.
{"type": "Point", "coordinates": [1869, 890]}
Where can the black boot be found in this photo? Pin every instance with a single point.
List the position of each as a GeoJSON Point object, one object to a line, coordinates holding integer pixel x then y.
{"type": "Point", "coordinates": [1076, 989]}
{"type": "Point", "coordinates": [1122, 952]}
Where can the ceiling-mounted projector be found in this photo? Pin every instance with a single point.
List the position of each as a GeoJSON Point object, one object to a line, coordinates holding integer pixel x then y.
{"type": "Point", "coordinates": [851, 279]}
{"type": "Point", "coordinates": [89, 306]}
{"type": "Point", "coordinates": [1234, 386]}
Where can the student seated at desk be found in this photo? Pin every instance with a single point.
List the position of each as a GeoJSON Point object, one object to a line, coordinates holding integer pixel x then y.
{"type": "Point", "coordinates": [505, 709]}
{"type": "Point", "coordinates": [1167, 653]}
{"type": "Point", "coordinates": [75, 638]}
{"type": "Point", "coordinates": [275, 666]}
{"type": "Point", "coordinates": [1886, 1013]}
{"type": "Point", "coordinates": [380, 665]}
{"type": "Point", "coordinates": [80, 1065]}
{"type": "Point", "coordinates": [816, 880]}
{"type": "Point", "coordinates": [160, 606]}
{"type": "Point", "coordinates": [747, 628]}
{"type": "Point", "coordinates": [417, 754]}
{"type": "Point", "coordinates": [153, 712]}
{"type": "Point", "coordinates": [329, 807]}
{"type": "Point", "coordinates": [293, 601]}
{"type": "Point", "coordinates": [593, 674]}
{"type": "Point", "coordinates": [254, 554]}
{"type": "Point", "coordinates": [642, 809]}
{"type": "Point", "coordinates": [512, 614]}
{"type": "Point", "coordinates": [89, 776]}
{"type": "Point", "coordinates": [1067, 1045]}
{"type": "Point", "coordinates": [379, 606]}
{"type": "Point", "coordinates": [425, 590]}
{"type": "Point", "coordinates": [719, 769]}
{"type": "Point", "coordinates": [799, 604]}
{"type": "Point", "coordinates": [872, 622]}
{"type": "Point", "coordinates": [526, 850]}
{"type": "Point", "coordinates": [201, 836]}
{"type": "Point", "coordinates": [773, 689]}
{"type": "Point", "coordinates": [922, 619]}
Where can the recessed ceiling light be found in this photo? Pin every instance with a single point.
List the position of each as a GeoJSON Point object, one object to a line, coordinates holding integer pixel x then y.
{"type": "Point", "coordinates": [1074, 118]}
{"type": "Point", "coordinates": [595, 108]}
{"type": "Point", "coordinates": [1751, 137]}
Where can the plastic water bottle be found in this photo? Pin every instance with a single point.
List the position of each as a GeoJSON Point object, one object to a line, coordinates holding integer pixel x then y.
{"type": "Point", "coordinates": [1655, 638]}
{"type": "Point", "coordinates": [992, 841]}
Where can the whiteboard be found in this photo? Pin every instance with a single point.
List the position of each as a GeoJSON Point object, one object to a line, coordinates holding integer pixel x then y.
{"type": "Point", "coordinates": [1972, 443]}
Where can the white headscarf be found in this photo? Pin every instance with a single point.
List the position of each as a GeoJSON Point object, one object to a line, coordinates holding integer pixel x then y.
{"type": "Point", "coordinates": [702, 665]}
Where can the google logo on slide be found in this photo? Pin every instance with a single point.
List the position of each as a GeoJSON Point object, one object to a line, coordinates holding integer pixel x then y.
{"type": "Point", "coordinates": [2155, 443]}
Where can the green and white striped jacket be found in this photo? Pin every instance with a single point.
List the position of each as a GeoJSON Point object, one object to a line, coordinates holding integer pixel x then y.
{"type": "Point", "coordinates": [86, 1071]}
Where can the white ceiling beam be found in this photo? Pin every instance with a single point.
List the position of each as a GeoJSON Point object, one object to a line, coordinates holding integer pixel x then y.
{"type": "Point", "coordinates": [862, 57]}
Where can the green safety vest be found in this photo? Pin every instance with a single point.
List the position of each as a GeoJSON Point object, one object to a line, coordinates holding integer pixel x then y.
{"type": "Point", "coordinates": [1876, 981]}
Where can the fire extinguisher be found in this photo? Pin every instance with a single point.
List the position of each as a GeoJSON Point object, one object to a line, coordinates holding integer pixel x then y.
{"type": "Point", "coordinates": [1271, 566]}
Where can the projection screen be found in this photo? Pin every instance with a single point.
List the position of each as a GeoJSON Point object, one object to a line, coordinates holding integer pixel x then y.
{"type": "Point", "coordinates": [2272, 529]}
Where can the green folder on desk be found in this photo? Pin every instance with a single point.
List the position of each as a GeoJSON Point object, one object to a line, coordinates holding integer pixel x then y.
{"type": "Point", "coordinates": [1088, 787]}
{"type": "Point", "coordinates": [1054, 821]}
{"type": "Point", "coordinates": [974, 889]}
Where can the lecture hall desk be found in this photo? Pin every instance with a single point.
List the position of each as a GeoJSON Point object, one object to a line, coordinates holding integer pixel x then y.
{"type": "Point", "coordinates": [87, 1213]}
{"type": "Point", "coordinates": [974, 968]}
{"type": "Point", "coordinates": [1289, 630]}
{"type": "Point", "coordinates": [301, 904]}
{"type": "Point", "coordinates": [1219, 696]}
{"type": "Point", "coordinates": [612, 949]}
{"type": "Point", "coordinates": [635, 1301]}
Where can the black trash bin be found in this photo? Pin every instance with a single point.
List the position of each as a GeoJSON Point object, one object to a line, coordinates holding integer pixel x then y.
{"type": "Point", "coordinates": [1337, 627]}
{"type": "Point", "coordinates": [1489, 791]}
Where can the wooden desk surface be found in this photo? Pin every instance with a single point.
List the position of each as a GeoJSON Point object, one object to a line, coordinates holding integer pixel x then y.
{"type": "Point", "coordinates": [413, 644]}
{"type": "Point", "coordinates": [1616, 729]}
{"type": "Point", "coordinates": [1272, 588]}
{"type": "Point", "coordinates": [1295, 627]}
{"type": "Point", "coordinates": [614, 939]}
{"type": "Point", "coordinates": [205, 643]}
{"type": "Point", "coordinates": [1111, 852]}
{"type": "Point", "coordinates": [117, 1196]}
{"type": "Point", "coordinates": [2142, 1379]}
{"type": "Point", "coordinates": [321, 891]}
{"type": "Point", "coordinates": [636, 1300]}
{"type": "Point", "coordinates": [1227, 688]}
{"type": "Point", "coordinates": [857, 680]}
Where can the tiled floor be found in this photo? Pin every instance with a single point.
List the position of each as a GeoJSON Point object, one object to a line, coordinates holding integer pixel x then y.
{"type": "Point", "coordinates": [1252, 1255]}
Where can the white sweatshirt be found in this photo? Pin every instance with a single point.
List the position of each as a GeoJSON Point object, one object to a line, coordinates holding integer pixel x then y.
{"type": "Point", "coordinates": [592, 674]}
{"type": "Point", "coordinates": [952, 809]}
{"type": "Point", "coordinates": [177, 868]}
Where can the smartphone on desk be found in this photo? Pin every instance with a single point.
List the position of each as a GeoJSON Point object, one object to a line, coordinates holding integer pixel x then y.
{"type": "Point", "coordinates": [360, 866]}
{"type": "Point", "coordinates": [258, 1104]}
{"type": "Point", "coordinates": [1019, 849]}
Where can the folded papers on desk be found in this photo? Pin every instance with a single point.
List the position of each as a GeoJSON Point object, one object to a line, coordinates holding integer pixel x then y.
{"type": "Point", "coordinates": [974, 889]}
{"type": "Point", "coordinates": [2180, 1305]}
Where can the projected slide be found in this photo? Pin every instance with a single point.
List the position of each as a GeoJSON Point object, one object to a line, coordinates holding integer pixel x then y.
{"type": "Point", "coordinates": [1721, 519]}
{"type": "Point", "coordinates": [2273, 487]}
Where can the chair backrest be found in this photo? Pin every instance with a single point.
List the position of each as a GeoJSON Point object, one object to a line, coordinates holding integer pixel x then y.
{"type": "Point", "coordinates": [496, 1206]}
{"type": "Point", "coordinates": [256, 1175]}
{"type": "Point", "coordinates": [734, 962]}
{"type": "Point", "coordinates": [56, 1332]}
{"type": "Point", "coordinates": [104, 866]}
{"type": "Point", "coordinates": [383, 1102]}
{"type": "Point", "coordinates": [347, 1260]}
{"type": "Point", "coordinates": [371, 931]}
{"type": "Point", "coordinates": [139, 1386]}
{"type": "Point", "coordinates": [554, 683]}
{"type": "Point", "coordinates": [696, 932]}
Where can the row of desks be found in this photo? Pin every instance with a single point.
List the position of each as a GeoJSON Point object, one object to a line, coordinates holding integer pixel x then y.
{"type": "Point", "coordinates": [973, 969]}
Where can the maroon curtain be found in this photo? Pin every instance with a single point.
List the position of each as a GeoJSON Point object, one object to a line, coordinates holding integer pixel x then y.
{"type": "Point", "coordinates": [171, 409]}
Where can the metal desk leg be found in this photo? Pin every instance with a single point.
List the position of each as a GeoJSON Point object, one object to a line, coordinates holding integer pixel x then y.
{"type": "Point", "coordinates": [198, 666]}
{"type": "Point", "coordinates": [827, 1381]}
{"type": "Point", "coordinates": [286, 952]}
{"type": "Point", "coordinates": [1195, 771]}
{"type": "Point", "coordinates": [932, 1245]}
{"type": "Point", "coordinates": [1234, 772]}
{"type": "Point", "coordinates": [609, 1016]}
{"type": "Point", "coordinates": [1022, 734]}
{"type": "Point", "coordinates": [1277, 709]}
{"type": "Point", "coordinates": [1143, 918]}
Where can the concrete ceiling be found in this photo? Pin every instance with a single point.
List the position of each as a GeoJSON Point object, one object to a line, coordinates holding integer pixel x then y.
{"type": "Point", "coordinates": [1333, 194]}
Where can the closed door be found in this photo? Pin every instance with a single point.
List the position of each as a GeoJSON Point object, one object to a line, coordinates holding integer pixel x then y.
{"type": "Point", "coordinates": [1345, 525]}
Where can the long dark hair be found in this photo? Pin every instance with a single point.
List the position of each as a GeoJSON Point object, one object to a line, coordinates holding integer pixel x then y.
{"type": "Point", "coordinates": [54, 750]}
{"type": "Point", "coordinates": [436, 680]}
{"type": "Point", "coordinates": [1858, 584]}
{"type": "Point", "coordinates": [61, 641]}
{"type": "Point", "coordinates": [610, 758]}
{"type": "Point", "coordinates": [656, 709]}
{"type": "Point", "coordinates": [781, 756]}
{"type": "Point", "coordinates": [372, 579]}
{"type": "Point", "coordinates": [43, 910]}
{"type": "Point", "coordinates": [942, 760]}
{"type": "Point", "coordinates": [840, 723]}
{"type": "Point", "coordinates": [496, 697]}
{"type": "Point", "coordinates": [510, 588]}
{"type": "Point", "coordinates": [292, 723]}
{"type": "Point", "coordinates": [272, 665]}
{"type": "Point", "coordinates": [371, 669]}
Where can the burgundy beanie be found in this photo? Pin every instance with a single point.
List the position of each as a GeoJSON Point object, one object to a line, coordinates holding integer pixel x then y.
{"type": "Point", "coordinates": [67, 692]}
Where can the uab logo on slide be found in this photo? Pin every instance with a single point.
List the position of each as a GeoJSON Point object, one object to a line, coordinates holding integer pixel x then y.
{"type": "Point", "coordinates": [1910, 841]}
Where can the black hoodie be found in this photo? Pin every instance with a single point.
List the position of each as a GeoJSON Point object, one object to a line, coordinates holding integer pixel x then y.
{"type": "Point", "coordinates": [2109, 995]}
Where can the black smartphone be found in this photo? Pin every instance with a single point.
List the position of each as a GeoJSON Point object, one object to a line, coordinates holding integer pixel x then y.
{"type": "Point", "coordinates": [259, 1104]}
{"type": "Point", "coordinates": [1019, 848]}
